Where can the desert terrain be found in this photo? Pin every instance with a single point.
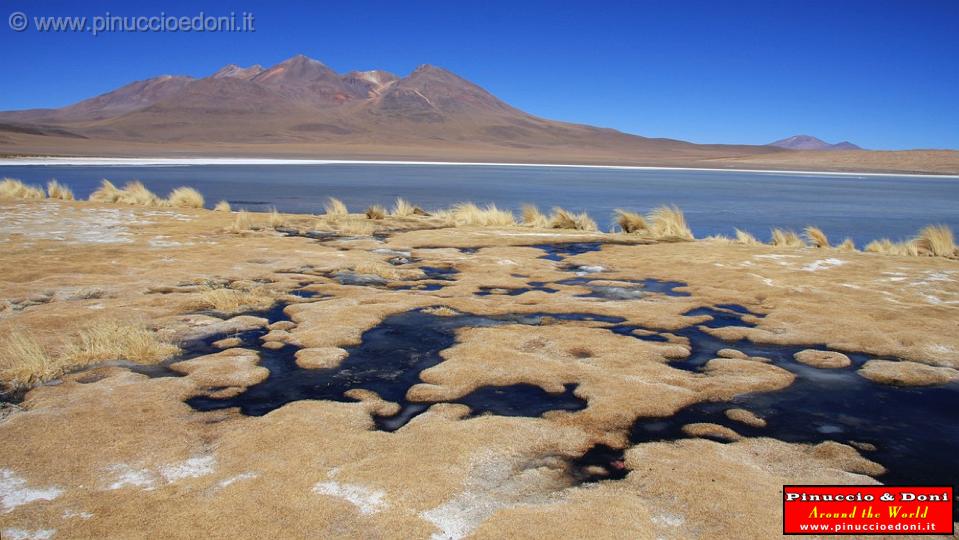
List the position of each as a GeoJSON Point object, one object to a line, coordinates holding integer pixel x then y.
{"type": "Point", "coordinates": [452, 375]}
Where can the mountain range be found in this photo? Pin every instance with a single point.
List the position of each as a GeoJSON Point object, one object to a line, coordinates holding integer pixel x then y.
{"type": "Point", "coordinates": [808, 142]}
{"type": "Point", "coordinates": [302, 108]}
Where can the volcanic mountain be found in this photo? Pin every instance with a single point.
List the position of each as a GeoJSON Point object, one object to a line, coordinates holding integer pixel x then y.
{"type": "Point", "coordinates": [302, 108]}
{"type": "Point", "coordinates": [808, 142]}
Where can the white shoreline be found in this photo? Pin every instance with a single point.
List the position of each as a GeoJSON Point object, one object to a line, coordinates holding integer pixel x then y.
{"type": "Point", "coordinates": [183, 162]}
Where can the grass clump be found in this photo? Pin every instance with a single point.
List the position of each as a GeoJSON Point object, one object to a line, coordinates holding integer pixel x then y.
{"type": "Point", "coordinates": [11, 188]}
{"type": "Point", "coordinates": [136, 194]}
{"type": "Point", "coordinates": [56, 190]}
{"type": "Point", "coordinates": [564, 219]}
{"type": "Point", "coordinates": [847, 245]}
{"type": "Point", "coordinates": [241, 222]}
{"type": "Point", "coordinates": [936, 240]}
{"type": "Point", "coordinates": [375, 211]}
{"type": "Point", "coordinates": [335, 208]}
{"type": "Point", "coordinates": [816, 237]}
{"type": "Point", "coordinates": [466, 214]}
{"type": "Point", "coordinates": [222, 206]}
{"type": "Point", "coordinates": [533, 217]}
{"type": "Point", "coordinates": [786, 238]}
{"type": "Point", "coordinates": [185, 197]}
{"type": "Point", "coordinates": [888, 247]}
{"type": "Point", "coordinates": [746, 239]}
{"type": "Point", "coordinates": [630, 222]}
{"type": "Point", "coordinates": [106, 193]}
{"type": "Point", "coordinates": [24, 362]}
{"type": "Point", "coordinates": [275, 219]}
{"type": "Point", "coordinates": [403, 208]}
{"type": "Point", "coordinates": [669, 222]}
{"type": "Point", "coordinates": [115, 340]}
{"type": "Point", "coordinates": [229, 301]}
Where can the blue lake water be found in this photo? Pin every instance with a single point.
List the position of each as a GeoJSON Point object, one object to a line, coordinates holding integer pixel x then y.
{"type": "Point", "coordinates": [863, 207]}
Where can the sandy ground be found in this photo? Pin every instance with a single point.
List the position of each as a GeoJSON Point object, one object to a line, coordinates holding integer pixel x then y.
{"type": "Point", "coordinates": [110, 453]}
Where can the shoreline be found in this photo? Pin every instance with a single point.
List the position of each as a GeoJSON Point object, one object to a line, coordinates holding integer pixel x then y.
{"type": "Point", "coordinates": [186, 162]}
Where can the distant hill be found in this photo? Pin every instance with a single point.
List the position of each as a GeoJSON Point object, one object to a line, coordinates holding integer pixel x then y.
{"type": "Point", "coordinates": [808, 142]}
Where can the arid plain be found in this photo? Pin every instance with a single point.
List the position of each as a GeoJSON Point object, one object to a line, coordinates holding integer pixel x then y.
{"type": "Point", "coordinates": [459, 375]}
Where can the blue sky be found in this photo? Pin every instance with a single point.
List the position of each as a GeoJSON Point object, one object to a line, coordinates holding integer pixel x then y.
{"type": "Point", "coordinates": [880, 73]}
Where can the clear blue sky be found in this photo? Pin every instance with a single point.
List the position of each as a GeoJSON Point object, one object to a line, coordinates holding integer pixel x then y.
{"type": "Point", "coordinates": [880, 73]}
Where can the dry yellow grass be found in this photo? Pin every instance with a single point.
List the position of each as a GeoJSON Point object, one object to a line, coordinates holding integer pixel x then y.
{"type": "Point", "coordinates": [335, 208]}
{"type": "Point", "coordinates": [847, 245]}
{"type": "Point", "coordinates": [719, 238]}
{"type": "Point", "coordinates": [888, 247]}
{"type": "Point", "coordinates": [816, 237]}
{"type": "Point", "coordinates": [403, 208]}
{"type": "Point", "coordinates": [241, 222]}
{"type": "Point", "coordinates": [56, 190]}
{"type": "Point", "coordinates": [669, 222]}
{"type": "Point", "coordinates": [533, 217]}
{"type": "Point", "coordinates": [11, 188]}
{"type": "Point", "coordinates": [375, 211]}
{"type": "Point", "coordinates": [275, 219]}
{"type": "Point", "coordinates": [382, 270]}
{"type": "Point", "coordinates": [630, 222]}
{"type": "Point", "coordinates": [185, 197]}
{"type": "Point", "coordinates": [745, 238]}
{"type": "Point", "coordinates": [936, 240]}
{"type": "Point", "coordinates": [135, 193]}
{"type": "Point", "coordinates": [786, 238]}
{"type": "Point", "coordinates": [24, 362]}
{"type": "Point", "coordinates": [222, 206]}
{"type": "Point", "coordinates": [564, 219]}
{"type": "Point", "coordinates": [351, 226]}
{"type": "Point", "coordinates": [233, 300]}
{"type": "Point", "coordinates": [106, 193]}
{"type": "Point", "coordinates": [466, 214]}
{"type": "Point", "coordinates": [115, 340]}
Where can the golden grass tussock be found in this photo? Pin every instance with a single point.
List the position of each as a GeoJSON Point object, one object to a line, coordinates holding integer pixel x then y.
{"type": "Point", "coordinates": [564, 219]}
{"type": "Point", "coordinates": [376, 211]}
{"type": "Point", "coordinates": [533, 217]}
{"type": "Point", "coordinates": [222, 206]}
{"type": "Point", "coordinates": [185, 197]}
{"type": "Point", "coordinates": [669, 222]}
{"type": "Point", "coordinates": [467, 214]}
{"type": "Point", "coordinates": [357, 227]}
{"type": "Point", "coordinates": [335, 208]}
{"type": "Point", "coordinates": [936, 240]}
{"type": "Point", "coordinates": [630, 222]}
{"type": "Point", "coordinates": [719, 238]}
{"type": "Point", "coordinates": [403, 208]}
{"type": "Point", "coordinates": [135, 193]}
{"type": "Point", "coordinates": [225, 300]}
{"type": "Point", "coordinates": [786, 238]}
{"type": "Point", "coordinates": [24, 362]}
{"type": "Point", "coordinates": [106, 193]}
{"type": "Point", "coordinates": [275, 219]}
{"type": "Point", "coordinates": [11, 188]}
{"type": "Point", "coordinates": [241, 222]}
{"type": "Point", "coordinates": [846, 245]}
{"type": "Point", "coordinates": [886, 246]}
{"type": "Point", "coordinates": [743, 237]}
{"type": "Point", "coordinates": [382, 270]}
{"type": "Point", "coordinates": [116, 340]}
{"type": "Point", "coordinates": [56, 190]}
{"type": "Point", "coordinates": [816, 237]}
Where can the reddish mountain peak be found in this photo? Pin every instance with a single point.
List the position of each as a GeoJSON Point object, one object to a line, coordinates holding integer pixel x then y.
{"type": "Point", "coordinates": [233, 71]}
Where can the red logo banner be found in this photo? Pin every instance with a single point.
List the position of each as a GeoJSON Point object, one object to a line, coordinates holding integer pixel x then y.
{"type": "Point", "coordinates": [862, 510]}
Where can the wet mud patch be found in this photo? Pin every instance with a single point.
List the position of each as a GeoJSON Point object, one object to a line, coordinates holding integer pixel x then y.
{"type": "Point", "coordinates": [558, 252]}
{"type": "Point", "coordinates": [388, 361]}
